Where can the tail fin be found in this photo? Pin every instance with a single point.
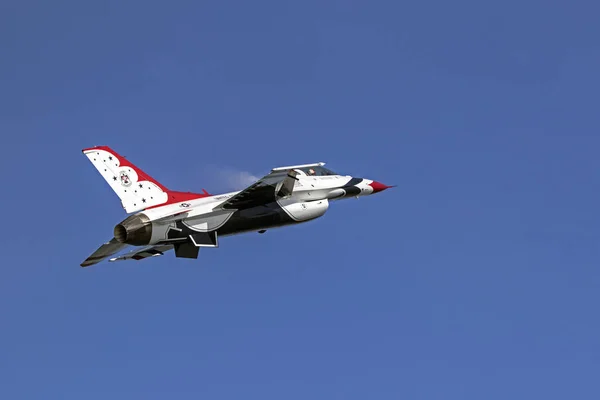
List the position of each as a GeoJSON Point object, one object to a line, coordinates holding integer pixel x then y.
{"type": "Point", "coordinates": [136, 189]}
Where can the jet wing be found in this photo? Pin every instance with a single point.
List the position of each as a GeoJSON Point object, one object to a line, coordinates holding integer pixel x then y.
{"type": "Point", "coordinates": [145, 252]}
{"type": "Point", "coordinates": [106, 250]}
{"type": "Point", "coordinates": [278, 183]}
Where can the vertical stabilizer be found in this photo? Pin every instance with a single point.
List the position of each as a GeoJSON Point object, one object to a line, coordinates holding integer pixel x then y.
{"type": "Point", "coordinates": [136, 189]}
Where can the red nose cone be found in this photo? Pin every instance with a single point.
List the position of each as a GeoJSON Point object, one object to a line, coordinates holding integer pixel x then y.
{"type": "Point", "coordinates": [378, 186]}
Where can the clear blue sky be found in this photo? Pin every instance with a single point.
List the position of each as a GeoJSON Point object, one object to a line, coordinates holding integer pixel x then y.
{"type": "Point", "coordinates": [476, 278]}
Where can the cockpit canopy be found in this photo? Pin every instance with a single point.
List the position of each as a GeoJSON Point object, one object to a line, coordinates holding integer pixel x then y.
{"type": "Point", "coordinates": [316, 171]}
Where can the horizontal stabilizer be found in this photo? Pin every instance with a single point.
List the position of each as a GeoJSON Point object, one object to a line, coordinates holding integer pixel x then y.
{"type": "Point", "coordinates": [106, 250]}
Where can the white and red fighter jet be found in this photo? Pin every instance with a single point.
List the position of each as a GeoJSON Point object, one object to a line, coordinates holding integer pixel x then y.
{"type": "Point", "coordinates": [163, 219]}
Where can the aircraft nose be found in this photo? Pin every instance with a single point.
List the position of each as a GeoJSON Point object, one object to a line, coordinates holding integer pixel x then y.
{"type": "Point", "coordinates": [378, 186]}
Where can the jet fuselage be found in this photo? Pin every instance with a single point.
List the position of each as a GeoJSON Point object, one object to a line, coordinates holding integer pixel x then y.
{"type": "Point", "coordinates": [309, 200]}
{"type": "Point", "coordinates": [162, 219]}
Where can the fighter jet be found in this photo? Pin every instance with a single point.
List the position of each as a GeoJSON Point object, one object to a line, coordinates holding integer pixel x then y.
{"type": "Point", "coordinates": [161, 220]}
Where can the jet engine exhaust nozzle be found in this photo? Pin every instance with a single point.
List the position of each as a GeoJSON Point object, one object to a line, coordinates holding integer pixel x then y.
{"type": "Point", "coordinates": [135, 230]}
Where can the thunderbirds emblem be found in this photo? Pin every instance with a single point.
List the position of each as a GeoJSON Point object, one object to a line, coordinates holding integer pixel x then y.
{"type": "Point", "coordinates": [125, 180]}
